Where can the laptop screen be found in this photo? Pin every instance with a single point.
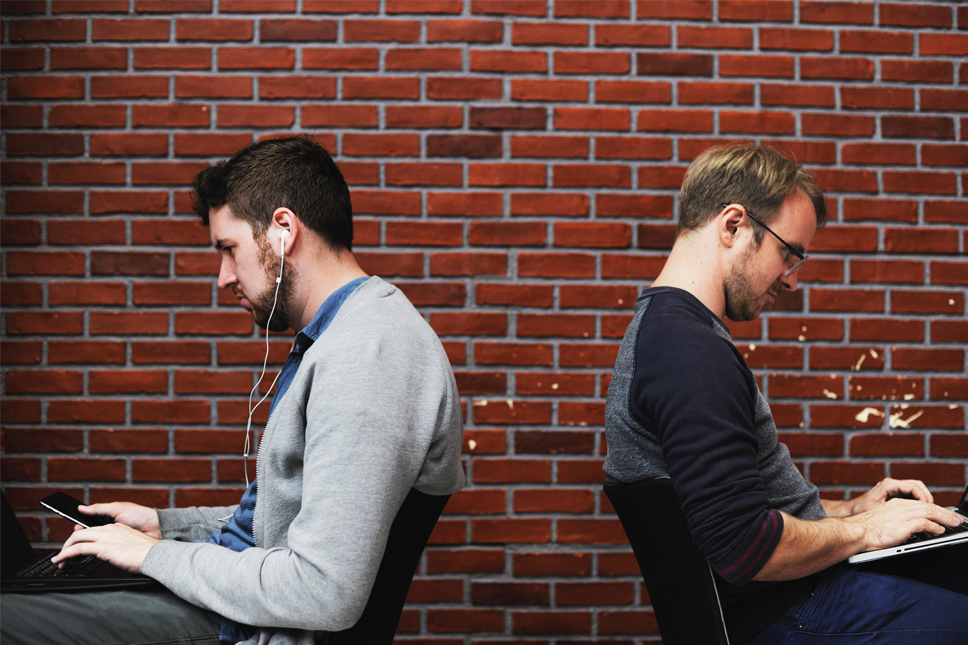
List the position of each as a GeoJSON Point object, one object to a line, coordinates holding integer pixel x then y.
{"type": "Point", "coordinates": [15, 543]}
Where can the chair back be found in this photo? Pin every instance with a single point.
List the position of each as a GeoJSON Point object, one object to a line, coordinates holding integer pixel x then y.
{"type": "Point", "coordinates": [409, 533]}
{"type": "Point", "coordinates": [679, 579]}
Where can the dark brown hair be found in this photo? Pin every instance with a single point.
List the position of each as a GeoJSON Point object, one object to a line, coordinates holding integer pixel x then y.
{"type": "Point", "coordinates": [295, 173]}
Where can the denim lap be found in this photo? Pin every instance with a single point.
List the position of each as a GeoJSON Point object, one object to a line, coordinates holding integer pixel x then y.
{"type": "Point", "coordinates": [869, 608]}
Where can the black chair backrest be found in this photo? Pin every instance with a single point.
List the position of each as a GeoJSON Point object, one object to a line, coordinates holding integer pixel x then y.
{"type": "Point", "coordinates": [677, 576]}
{"type": "Point", "coordinates": [409, 533]}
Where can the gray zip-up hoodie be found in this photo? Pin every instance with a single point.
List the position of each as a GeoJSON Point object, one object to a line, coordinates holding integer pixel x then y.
{"type": "Point", "coordinates": [372, 412]}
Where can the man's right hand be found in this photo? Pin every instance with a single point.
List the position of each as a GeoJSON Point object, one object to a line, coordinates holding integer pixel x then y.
{"type": "Point", "coordinates": [898, 519]}
{"type": "Point", "coordinates": [137, 517]}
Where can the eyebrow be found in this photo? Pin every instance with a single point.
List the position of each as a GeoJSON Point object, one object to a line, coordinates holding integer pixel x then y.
{"type": "Point", "coordinates": [220, 245]}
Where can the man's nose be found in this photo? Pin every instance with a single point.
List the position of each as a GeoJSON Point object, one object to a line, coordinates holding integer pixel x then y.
{"type": "Point", "coordinates": [789, 281]}
{"type": "Point", "coordinates": [226, 277]}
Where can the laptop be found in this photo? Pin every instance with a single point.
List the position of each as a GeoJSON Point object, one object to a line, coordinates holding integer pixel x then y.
{"type": "Point", "coordinates": [25, 570]}
{"type": "Point", "coordinates": [923, 541]}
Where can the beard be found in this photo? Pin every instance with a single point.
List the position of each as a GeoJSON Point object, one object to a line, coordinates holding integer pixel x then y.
{"type": "Point", "coordinates": [262, 303]}
{"type": "Point", "coordinates": [742, 301]}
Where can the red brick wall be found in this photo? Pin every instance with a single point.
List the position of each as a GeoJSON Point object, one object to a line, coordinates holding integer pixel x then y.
{"type": "Point", "coordinates": [514, 166]}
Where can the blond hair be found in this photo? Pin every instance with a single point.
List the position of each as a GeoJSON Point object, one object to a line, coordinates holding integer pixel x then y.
{"type": "Point", "coordinates": [756, 177]}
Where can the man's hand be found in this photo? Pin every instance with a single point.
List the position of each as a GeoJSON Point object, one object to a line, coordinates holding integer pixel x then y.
{"type": "Point", "coordinates": [120, 545]}
{"type": "Point", "coordinates": [137, 517]}
{"type": "Point", "coordinates": [886, 489]}
{"type": "Point", "coordinates": [897, 519]}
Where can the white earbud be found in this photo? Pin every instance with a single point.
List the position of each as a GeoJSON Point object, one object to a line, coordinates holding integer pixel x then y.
{"type": "Point", "coordinates": [282, 242]}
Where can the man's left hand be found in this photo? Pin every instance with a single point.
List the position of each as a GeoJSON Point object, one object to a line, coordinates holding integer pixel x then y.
{"type": "Point", "coordinates": [889, 488]}
{"type": "Point", "coordinates": [120, 545]}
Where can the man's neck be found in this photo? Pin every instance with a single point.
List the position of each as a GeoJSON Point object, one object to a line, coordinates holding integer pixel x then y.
{"type": "Point", "coordinates": [319, 278]}
{"type": "Point", "coordinates": [694, 265]}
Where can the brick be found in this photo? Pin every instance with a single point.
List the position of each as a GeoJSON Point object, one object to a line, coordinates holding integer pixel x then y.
{"type": "Point", "coordinates": [847, 300]}
{"type": "Point", "coordinates": [296, 30]}
{"type": "Point", "coordinates": [495, 353]}
{"type": "Point", "coordinates": [942, 100]}
{"type": "Point", "coordinates": [45, 144]}
{"type": "Point", "coordinates": [949, 273]}
{"type": "Point", "coordinates": [627, 622]}
{"type": "Point", "coordinates": [430, 59]}
{"type": "Point", "coordinates": [949, 388]}
{"type": "Point", "coordinates": [22, 116]}
{"type": "Point", "coordinates": [599, 175]}
{"type": "Point", "coordinates": [845, 125]}
{"type": "Point", "coordinates": [935, 183]}
{"type": "Point", "coordinates": [181, 116]}
{"type": "Point", "coordinates": [548, 90]}
{"type": "Point", "coordinates": [88, 58]}
{"type": "Point", "coordinates": [21, 353]}
{"type": "Point", "coordinates": [917, 71]}
{"type": "Point", "coordinates": [47, 30]}
{"type": "Point", "coordinates": [597, 63]}
{"type": "Point", "coordinates": [632, 92]}
{"type": "Point", "coordinates": [751, 65]}
{"type": "Point", "coordinates": [22, 59]}
{"type": "Point", "coordinates": [594, 9]}
{"type": "Point", "coordinates": [796, 39]}
{"type": "Point", "coordinates": [917, 127]}
{"type": "Point", "coordinates": [212, 29]}
{"type": "Point", "coordinates": [919, 15]}
{"type": "Point", "coordinates": [21, 293]}
{"type": "Point", "coordinates": [558, 204]}
{"type": "Point", "coordinates": [889, 98]}
{"type": "Point", "coordinates": [47, 87]}
{"type": "Point", "coordinates": [927, 302]}
{"type": "Point", "coordinates": [506, 174]}
{"type": "Point", "coordinates": [939, 44]}
{"type": "Point", "coordinates": [509, 62]}
{"type": "Point", "coordinates": [721, 93]}
{"type": "Point", "coordinates": [675, 64]}
{"type": "Point", "coordinates": [755, 10]}
{"type": "Point", "coordinates": [949, 446]}
{"type": "Point", "coordinates": [883, 387]}
{"type": "Point", "coordinates": [510, 531]}
{"type": "Point", "coordinates": [555, 325]}
{"type": "Point", "coordinates": [465, 560]}
{"type": "Point", "coordinates": [804, 329]}
{"type": "Point", "coordinates": [21, 263]}
{"type": "Point", "coordinates": [933, 474]}
{"type": "Point", "coordinates": [507, 234]}
{"type": "Point", "coordinates": [85, 469]}
{"type": "Point", "coordinates": [853, 358]}
{"type": "Point", "coordinates": [953, 155]}
{"type": "Point", "coordinates": [906, 240]}
{"type": "Point", "coordinates": [949, 211]}
{"type": "Point", "coordinates": [761, 122]}
{"type": "Point", "coordinates": [43, 382]}
{"type": "Point", "coordinates": [877, 42]}
{"type": "Point", "coordinates": [563, 384]}
{"type": "Point", "coordinates": [807, 444]}
{"type": "Point", "coordinates": [631, 266]}
{"type": "Point", "coordinates": [618, 205]}
{"type": "Point", "coordinates": [72, 173]}
{"type": "Point", "coordinates": [587, 354]}
{"type": "Point", "coordinates": [928, 359]}
{"type": "Point", "coordinates": [556, 265]}
{"type": "Point", "coordinates": [882, 329]}
{"type": "Point", "coordinates": [44, 323]}
{"type": "Point", "coordinates": [702, 37]}
{"type": "Point", "coordinates": [537, 34]}
{"type": "Point", "coordinates": [172, 58]}
{"type": "Point", "coordinates": [20, 231]}
{"type": "Point", "coordinates": [514, 294]}
{"type": "Point", "coordinates": [675, 121]}
{"type": "Point", "coordinates": [797, 95]}
{"type": "Point", "coordinates": [42, 440]}
{"type": "Point", "coordinates": [422, 116]}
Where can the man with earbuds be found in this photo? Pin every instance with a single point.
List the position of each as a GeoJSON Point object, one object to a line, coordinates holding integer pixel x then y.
{"type": "Point", "coordinates": [365, 409]}
{"type": "Point", "coordinates": [682, 404]}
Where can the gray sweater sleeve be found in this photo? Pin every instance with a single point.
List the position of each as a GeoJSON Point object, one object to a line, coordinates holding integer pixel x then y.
{"type": "Point", "coordinates": [374, 413]}
{"type": "Point", "coordinates": [193, 523]}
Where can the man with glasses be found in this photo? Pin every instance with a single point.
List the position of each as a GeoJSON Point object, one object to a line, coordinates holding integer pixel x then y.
{"type": "Point", "coordinates": [683, 404]}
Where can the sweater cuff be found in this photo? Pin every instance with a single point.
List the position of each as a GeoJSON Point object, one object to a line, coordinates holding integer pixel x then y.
{"type": "Point", "coordinates": [754, 550]}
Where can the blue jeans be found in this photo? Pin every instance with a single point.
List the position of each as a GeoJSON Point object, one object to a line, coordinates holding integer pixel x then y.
{"type": "Point", "coordinates": [876, 606]}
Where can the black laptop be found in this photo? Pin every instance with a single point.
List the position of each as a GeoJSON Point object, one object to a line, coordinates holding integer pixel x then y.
{"type": "Point", "coordinates": [26, 570]}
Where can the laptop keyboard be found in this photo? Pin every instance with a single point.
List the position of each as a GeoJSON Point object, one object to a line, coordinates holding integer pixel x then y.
{"type": "Point", "coordinates": [76, 568]}
{"type": "Point", "coordinates": [948, 530]}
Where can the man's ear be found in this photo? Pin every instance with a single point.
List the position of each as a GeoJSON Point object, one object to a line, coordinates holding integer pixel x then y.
{"type": "Point", "coordinates": [727, 225]}
{"type": "Point", "coordinates": [283, 221]}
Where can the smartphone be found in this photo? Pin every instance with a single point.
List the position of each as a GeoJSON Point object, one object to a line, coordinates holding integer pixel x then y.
{"type": "Point", "coordinates": [66, 506]}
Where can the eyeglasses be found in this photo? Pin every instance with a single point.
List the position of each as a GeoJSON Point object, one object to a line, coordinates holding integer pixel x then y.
{"type": "Point", "coordinates": [801, 258]}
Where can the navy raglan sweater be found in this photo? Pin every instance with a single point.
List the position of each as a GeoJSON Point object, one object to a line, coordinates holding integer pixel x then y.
{"type": "Point", "coordinates": [683, 404]}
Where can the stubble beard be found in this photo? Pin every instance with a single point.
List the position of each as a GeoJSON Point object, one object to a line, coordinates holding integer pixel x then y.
{"type": "Point", "coordinates": [261, 304]}
{"type": "Point", "coordinates": [742, 301]}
